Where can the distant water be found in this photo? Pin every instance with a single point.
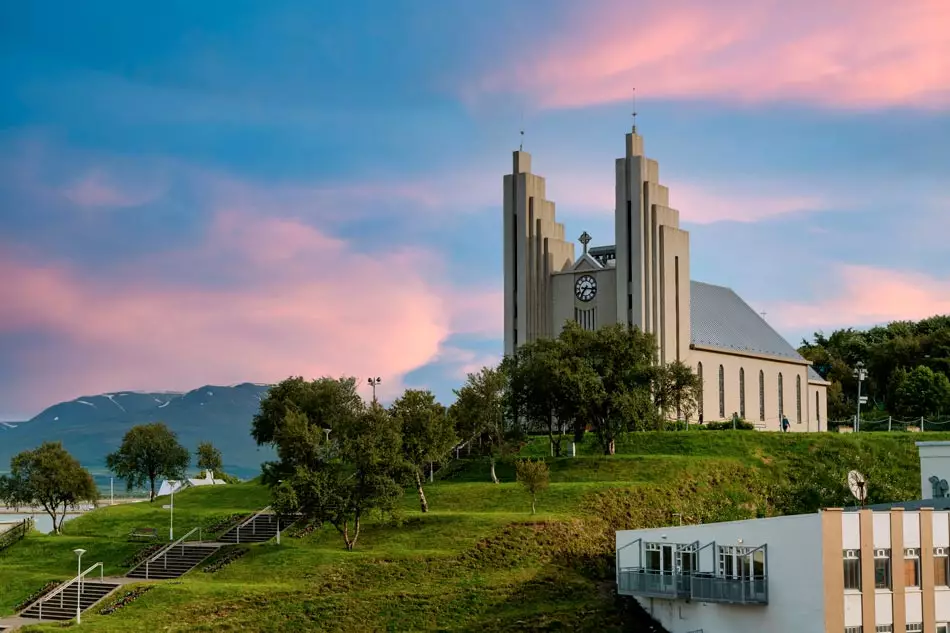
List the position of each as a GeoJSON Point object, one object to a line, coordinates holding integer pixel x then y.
{"type": "Point", "coordinates": [42, 520]}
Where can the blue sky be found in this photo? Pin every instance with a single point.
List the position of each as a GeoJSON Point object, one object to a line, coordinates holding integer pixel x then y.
{"type": "Point", "coordinates": [216, 192]}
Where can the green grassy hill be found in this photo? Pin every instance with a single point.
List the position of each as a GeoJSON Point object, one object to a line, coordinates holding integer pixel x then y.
{"type": "Point", "coordinates": [478, 561]}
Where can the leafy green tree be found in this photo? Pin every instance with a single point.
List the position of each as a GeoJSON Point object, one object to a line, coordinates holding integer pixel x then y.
{"type": "Point", "coordinates": [428, 433]}
{"type": "Point", "coordinates": [478, 414]}
{"type": "Point", "coordinates": [326, 403]}
{"type": "Point", "coordinates": [149, 451]}
{"type": "Point", "coordinates": [616, 380]}
{"type": "Point", "coordinates": [364, 471]}
{"type": "Point", "coordinates": [920, 392]}
{"type": "Point", "coordinates": [676, 390]}
{"type": "Point", "coordinates": [539, 377]}
{"type": "Point", "coordinates": [534, 476]}
{"type": "Point", "coordinates": [48, 477]}
{"type": "Point", "coordinates": [209, 457]}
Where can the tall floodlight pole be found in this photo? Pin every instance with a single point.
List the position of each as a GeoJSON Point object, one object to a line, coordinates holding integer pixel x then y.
{"type": "Point", "coordinates": [171, 517]}
{"type": "Point", "coordinates": [860, 373]}
{"type": "Point", "coordinates": [372, 383]}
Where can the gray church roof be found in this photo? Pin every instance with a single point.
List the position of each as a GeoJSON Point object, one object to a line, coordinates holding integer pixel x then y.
{"type": "Point", "coordinates": [720, 318]}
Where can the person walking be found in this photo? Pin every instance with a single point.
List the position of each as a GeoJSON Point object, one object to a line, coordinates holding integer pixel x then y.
{"type": "Point", "coordinates": [784, 424]}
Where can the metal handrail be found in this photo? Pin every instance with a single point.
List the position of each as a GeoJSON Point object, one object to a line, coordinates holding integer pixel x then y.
{"type": "Point", "coordinates": [62, 588]}
{"type": "Point", "coordinates": [237, 533]}
{"type": "Point", "coordinates": [164, 551]}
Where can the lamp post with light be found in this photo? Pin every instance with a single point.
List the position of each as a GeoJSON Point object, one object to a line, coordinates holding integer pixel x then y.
{"type": "Point", "coordinates": [860, 373]}
{"type": "Point", "coordinates": [79, 552]}
{"type": "Point", "coordinates": [373, 382]}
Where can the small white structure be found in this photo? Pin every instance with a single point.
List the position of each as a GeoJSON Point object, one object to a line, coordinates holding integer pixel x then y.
{"type": "Point", "coordinates": [934, 469]}
{"type": "Point", "coordinates": [172, 485]}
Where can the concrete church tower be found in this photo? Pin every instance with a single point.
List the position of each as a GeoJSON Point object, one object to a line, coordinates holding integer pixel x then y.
{"type": "Point", "coordinates": [534, 248]}
{"type": "Point", "coordinates": [652, 254]}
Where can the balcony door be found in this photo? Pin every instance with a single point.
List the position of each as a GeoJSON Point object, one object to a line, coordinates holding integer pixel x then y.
{"type": "Point", "coordinates": [659, 564]}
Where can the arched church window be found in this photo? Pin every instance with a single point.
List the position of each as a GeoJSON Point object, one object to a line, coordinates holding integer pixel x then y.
{"type": "Point", "coordinates": [742, 393]}
{"type": "Point", "coordinates": [722, 393]}
{"type": "Point", "coordinates": [781, 399]}
{"type": "Point", "coordinates": [817, 407]}
{"type": "Point", "coordinates": [702, 385]}
{"type": "Point", "coordinates": [798, 399]}
{"type": "Point", "coordinates": [761, 396]}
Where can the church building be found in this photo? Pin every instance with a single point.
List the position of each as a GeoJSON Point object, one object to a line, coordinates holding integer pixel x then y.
{"type": "Point", "coordinates": [643, 280]}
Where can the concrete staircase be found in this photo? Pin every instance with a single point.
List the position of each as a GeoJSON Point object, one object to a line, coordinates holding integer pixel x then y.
{"type": "Point", "coordinates": [257, 529]}
{"type": "Point", "coordinates": [177, 561]}
{"type": "Point", "coordinates": [63, 606]}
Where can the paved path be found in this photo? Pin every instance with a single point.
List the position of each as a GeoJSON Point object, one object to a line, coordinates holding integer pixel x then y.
{"type": "Point", "coordinates": [12, 623]}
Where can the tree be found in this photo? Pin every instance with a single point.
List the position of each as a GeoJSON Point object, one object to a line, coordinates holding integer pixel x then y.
{"type": "Point", "coordinates": [149, 451]}
{"type": "Point", "coordinates": [48, 477]}
{"type": "Point", "coordinates": [919, 392]}
{"type": "Point", "coordinates": [479, 413]}
{"type": "Point", "coordinates": [533, 476]}
{"type": "Point", "coordinates": [615, 381]}
{"type": "Point", "coordinates": [428, 433]}
{"type": "Point", "coordinates": [326, 403]}
{"type": "Point", "coordinates": [209, 457]}
{"type": "Point", "coordinates": [362, 472]}
{"type": "Point", "coordinates": [677, 390]}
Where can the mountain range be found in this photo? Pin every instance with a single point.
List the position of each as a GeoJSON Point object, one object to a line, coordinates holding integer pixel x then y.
{"type": "Point", "coordinates": [91, 427]}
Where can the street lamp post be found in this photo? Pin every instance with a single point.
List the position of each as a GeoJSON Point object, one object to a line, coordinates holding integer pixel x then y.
{"type": "Point", "coordinates": [860, 373]}
{"type": "Point", "coordinates": [372, 383]}
{"type": "Point", "coordinates": [279, 482]}
{"type": "Point", "coordinates": [171, 517]}
{"type": "Point", "coordinates": [79, 553]}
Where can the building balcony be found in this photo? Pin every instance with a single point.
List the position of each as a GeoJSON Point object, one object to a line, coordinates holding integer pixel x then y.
{"type": "Point", "coordinates": [709, 588]}
{"type": "Point", "coordinates": [637, 581]}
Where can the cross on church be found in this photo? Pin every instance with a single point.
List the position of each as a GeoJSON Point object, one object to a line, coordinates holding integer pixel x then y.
{"type": "Point", "coordinates": [585, 240]}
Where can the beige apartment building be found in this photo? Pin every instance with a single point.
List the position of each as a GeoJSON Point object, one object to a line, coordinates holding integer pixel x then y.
{"type": "Point", "coordinates": [643, 280]}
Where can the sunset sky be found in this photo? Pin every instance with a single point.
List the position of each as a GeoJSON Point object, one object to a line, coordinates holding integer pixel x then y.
{"type": "Point", "coordinates": [227, 191]}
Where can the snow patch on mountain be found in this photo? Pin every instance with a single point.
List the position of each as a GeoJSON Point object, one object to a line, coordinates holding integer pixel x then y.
{"type": "Point", "coordinates": [86, 402]}
{"type": "Point", "coordinates": [111, 397]}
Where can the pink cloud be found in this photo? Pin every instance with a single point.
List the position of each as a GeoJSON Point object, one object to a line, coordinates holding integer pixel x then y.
{"type": "Point", "coordinates": [837, 53]}
{"type": "Point", "coordinates": [97, 189]}
{"type": "Point", "coordinates": [302, 302]}
{"type": "Point", "coordinates": [865, 295]}
{"type": "Point", "coordinates": [579, 193]}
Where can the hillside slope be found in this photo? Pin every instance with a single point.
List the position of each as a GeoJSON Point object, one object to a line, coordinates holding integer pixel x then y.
{"type": "Point", "coordinates": [479, 561]}
{"type": "Point", "coordinates": [92, 426]}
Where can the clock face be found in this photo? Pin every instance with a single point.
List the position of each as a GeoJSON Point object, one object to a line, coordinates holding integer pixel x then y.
{"type": "Point", "coordinates": [585, 288]}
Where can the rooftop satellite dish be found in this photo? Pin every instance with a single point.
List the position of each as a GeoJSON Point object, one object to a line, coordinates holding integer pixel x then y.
{"type": "Point", "coordinates": [858, 485]}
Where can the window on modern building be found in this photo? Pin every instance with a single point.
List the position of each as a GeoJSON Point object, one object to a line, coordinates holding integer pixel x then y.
{"type": "Point", "coordinates": [702, 385]}
{"type": "Point", "coordinates": [722, 393]}
{"type": "Point", "coordinates": [882, 569]}
{"type": "Point", "coordinates": [941, 567]}
{"type": "Point", "coordinates": [761, 396]}
{"type": "Point", "coordinates": [852, 570]}
{"type": "Point", "coordinates": [853, 629]}
{"type": "Point", "coordinates": [798, 399]}
{"type": "Point", "coordinates": [912, 567]}
{"type": "Point", "coordinates": [915, 627]}
{"type": "Point", "coordinates": [781, 398]}
{"type": "Point", "coordinates": [742, 393]}
{"type": "Point", "coordinates": [943, 627]}
{"type": "Point", "coordinates": [884, 628]}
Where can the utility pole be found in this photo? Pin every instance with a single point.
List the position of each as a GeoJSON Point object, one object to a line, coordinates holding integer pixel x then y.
{"type": "Point", "coordinates": [372, 383]}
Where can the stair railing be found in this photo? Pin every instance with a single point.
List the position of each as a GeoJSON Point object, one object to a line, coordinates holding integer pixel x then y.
{"type": "Point", "coordinates": [252, 522]}
{"type": "Point", "coordinates": [16, 533]}
{"type": "Point", "coordinates": [163, 553]}
{"type": "Point", "coordinates": [78, 581]}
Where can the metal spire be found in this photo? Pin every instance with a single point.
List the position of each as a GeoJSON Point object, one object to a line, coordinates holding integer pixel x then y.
{"type": "Point", "coordinates": [634, 113]}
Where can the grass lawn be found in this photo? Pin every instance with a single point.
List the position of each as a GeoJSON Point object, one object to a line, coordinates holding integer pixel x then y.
{"type": "Point", "coordinates": [478, 561]}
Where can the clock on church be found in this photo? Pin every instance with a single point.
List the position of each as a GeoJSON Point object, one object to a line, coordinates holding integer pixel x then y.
{"type": "Point", "coordinates": [585, 288]}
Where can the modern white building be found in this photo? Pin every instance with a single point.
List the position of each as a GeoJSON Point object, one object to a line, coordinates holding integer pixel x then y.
{"type": "Point", "coordinates": [880, 569]}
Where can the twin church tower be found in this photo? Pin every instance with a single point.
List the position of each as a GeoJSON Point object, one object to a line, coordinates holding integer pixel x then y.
{"type": "Point", "coordinates": [642, 280]}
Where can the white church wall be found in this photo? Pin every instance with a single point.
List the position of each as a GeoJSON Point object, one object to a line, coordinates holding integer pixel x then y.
{"type": "Point", "coordinates": [732, 364]}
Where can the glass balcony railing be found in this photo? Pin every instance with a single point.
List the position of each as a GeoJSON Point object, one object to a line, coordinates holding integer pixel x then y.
{"type": "Point", "coordinates": [748, 590]}
{"type": "Point", "coordinates": [638, 581]}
